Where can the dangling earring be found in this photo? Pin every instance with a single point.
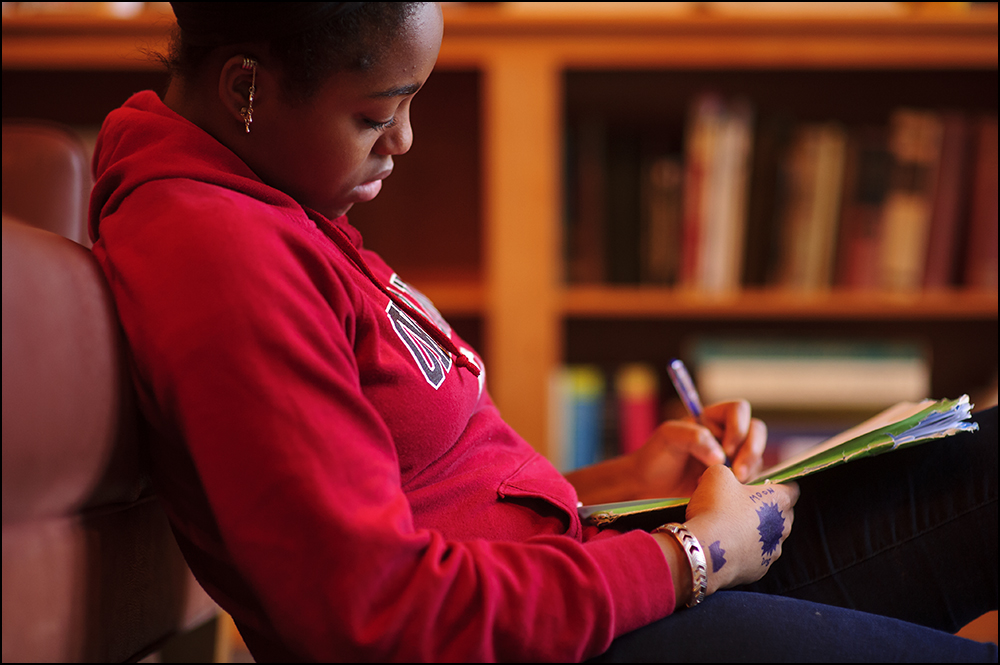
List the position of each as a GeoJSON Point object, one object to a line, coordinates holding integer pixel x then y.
{"type": "Point", "coordinates": [250, 65]}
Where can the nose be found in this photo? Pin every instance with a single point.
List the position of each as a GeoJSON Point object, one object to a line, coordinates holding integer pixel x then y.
{"type": "Point", "coordinates": [398, 138]}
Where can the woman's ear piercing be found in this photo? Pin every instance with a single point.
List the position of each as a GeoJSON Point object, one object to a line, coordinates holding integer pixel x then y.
{"type": "Point", "coordinates": [250, 65]}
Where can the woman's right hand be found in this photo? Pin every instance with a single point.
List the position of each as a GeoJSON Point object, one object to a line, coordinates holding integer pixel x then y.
{"type": "Point", "coordinates": [741, 528]}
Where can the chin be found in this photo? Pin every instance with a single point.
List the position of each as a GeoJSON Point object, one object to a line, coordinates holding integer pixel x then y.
{"type": "Point", "coordinates": [331, 209]}
{"type": "Point", "coordinates": [334, 211]}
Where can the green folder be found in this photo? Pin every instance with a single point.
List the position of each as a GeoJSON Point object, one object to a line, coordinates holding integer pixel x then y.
{"type": "Point", "coordinates": [904, 424]}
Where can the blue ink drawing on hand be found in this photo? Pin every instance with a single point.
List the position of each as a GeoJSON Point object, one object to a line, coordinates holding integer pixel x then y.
{"type": "Point", "coordinates": [718, 555]}
{"type": "Point", "coordinates": [772, 524]}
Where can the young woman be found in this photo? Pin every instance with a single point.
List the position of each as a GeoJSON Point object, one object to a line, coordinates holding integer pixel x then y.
{"type": "Point", "coordinates": [330, 459]}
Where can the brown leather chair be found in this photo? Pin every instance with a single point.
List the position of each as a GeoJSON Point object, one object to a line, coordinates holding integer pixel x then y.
{"type": "Point", "coordinates": [46, 177]}
{"type": "Point", "coordinates": [91, 571]}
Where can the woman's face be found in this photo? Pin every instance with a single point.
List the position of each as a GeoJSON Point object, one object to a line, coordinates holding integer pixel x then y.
{"type": "Point", "coordinates": [335, 150]}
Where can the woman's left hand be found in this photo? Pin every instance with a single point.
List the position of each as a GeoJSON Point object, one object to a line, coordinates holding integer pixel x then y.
{"type": "Point", "coordinates": [673, 459]}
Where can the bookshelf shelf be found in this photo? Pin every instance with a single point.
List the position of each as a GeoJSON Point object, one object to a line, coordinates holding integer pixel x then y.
{"type": "Point", "coordinates": [646, 302]}
{"type": "Point", "coordinates": [84, 42]}
{"type": "Point", "coordinates": [492, 245]}
{"type": "Point", "coordinates": [661, 40]}
{"type": "Point", "coordinates": [580, 39]}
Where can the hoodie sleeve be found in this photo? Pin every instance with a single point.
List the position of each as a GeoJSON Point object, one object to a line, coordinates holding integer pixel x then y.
{"type": "Point", "coordinates": [282, 481]}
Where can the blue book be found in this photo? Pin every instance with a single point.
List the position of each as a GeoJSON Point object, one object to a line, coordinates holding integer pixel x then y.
{"type": "Point", "coordinates": [583, 395]}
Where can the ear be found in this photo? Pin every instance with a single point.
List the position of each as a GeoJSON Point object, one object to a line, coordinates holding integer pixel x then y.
{"type": "Point", "coordinates": [234, 85]}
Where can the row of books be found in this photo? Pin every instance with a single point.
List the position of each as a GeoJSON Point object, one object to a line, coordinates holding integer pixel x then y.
{"type": "Point", "coordinates": [599, 415]}
{"type": "Point", "coordinates": [805, 390]}
{"type": "Point", "coordinates": [767, 201]}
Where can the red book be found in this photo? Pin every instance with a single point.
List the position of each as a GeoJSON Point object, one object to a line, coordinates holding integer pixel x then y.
{"type": "Point", "coordinates": [981, 256]}
{"type": "Point", "coordinates": [637, 391]}
{"type": "Point", "coordinates": [949, 202]}
{"type": "Point", "coordinates": [867, 172]}
{"type": "Point", "coordinates": [698, 150]}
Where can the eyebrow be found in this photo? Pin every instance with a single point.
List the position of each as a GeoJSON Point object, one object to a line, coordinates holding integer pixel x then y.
{"type": "Point", "coordinates": [399, 91]}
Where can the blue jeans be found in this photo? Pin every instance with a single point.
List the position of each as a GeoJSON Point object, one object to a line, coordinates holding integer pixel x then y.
{"type": "Point", "coordinates": [888, 556]}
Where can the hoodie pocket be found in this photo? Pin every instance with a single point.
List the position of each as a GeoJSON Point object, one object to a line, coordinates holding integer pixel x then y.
{"type": "Point", "coordinates": [538, 481]}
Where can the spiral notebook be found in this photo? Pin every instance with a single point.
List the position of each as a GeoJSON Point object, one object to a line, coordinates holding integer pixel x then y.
{"type": "Point", "coordinates": [901, 425]}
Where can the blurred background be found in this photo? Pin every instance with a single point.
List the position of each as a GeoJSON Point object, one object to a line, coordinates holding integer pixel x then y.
{"type": "Point", "coordinates": [798, 199]}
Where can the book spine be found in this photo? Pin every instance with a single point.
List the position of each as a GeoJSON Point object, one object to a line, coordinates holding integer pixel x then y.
{"type": "Point", "coordinates": [868, 165]}
{"type": "Point", "coordinates": [723, 246]}
{"type": "Point", "coordinates": [583, 415]}
{"type": "Point", "coordinates": [800, 169]}
{"type": "Point", "coordinates": [763, 239]}
{"type": "Point", "coordinates": [637, 395]}
{"type": "Point", "coordinates": [714, 199]}
{"type": "Point", "coordinates": [661, 225]}
{"type": "Point", "coordinates": [699, 149]}
{"type": "Point", "coordinates": [824, 216]}
{"type": "Point", "coordinates": [981, 258]}
{"type": "Point", "coordinates": [948, 206]}
{"type": "Point", "coordinates": [916, 147]}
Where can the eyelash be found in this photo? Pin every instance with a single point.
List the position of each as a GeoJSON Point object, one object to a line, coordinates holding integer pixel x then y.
{"type": "Point", "coordinates": [381, 126]}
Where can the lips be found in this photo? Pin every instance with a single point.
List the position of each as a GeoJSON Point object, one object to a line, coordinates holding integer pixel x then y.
{"type": "Point", "coordinates": [370, 189]}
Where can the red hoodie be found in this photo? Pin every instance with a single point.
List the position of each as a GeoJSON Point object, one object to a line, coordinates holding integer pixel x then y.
{"type": "Point", "coordinates": [337, 481]}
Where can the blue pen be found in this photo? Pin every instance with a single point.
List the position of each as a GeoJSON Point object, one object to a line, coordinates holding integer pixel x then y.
{"type": "Point", "coordinates": [681, 379]}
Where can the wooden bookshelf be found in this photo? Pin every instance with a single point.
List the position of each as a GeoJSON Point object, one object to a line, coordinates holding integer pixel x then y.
{"type": "Point", "coordinates": [492, 251]}
{"type": "Point", "coordinates": [530, 315]}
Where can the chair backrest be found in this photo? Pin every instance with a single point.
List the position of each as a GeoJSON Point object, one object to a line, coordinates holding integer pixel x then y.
{"type": "Point", "coordinates": [91, 571]}
{"type": "Point", "coordinates": [46, 177]}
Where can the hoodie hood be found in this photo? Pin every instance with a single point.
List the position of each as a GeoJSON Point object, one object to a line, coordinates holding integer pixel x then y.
{"type": "Point", "coordinates": [144, 141]}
